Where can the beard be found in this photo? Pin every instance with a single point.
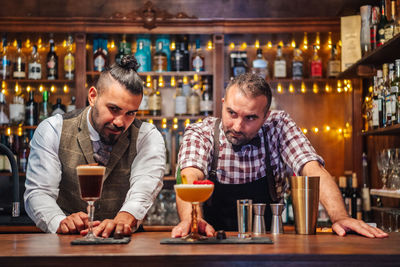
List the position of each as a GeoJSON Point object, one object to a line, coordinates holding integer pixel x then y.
{"type": "Point", "coordinates": [236, 138]}
{"type": "Point", "coordinates": [108, 139]}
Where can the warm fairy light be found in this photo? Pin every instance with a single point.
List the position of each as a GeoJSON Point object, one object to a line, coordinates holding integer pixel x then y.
{"type": "Point", "coordinates": [315, 88]}
{"type": "Point", "coordinates": [185, 80]}
{"type": "Point", "coordinates": [281, 43]}
{"type": "Point", "coordinates": [87, 46]}
{"type": "Point", "coordinates": [28, 88]}
{"type": "Point", "coordinates": [209, 45]}
{"type": "Point", "coordinates": [20, 131]}
{"type": "Point", "coordinates": [41, 88]}
{"type": "Point", "coordinates": [64, 43]}
{"type": "Point", "coordinates": [330, 40]}
{"type": "Point", "coordinates": [164, 123]}
{"type": "Point", "coordinates": [318, 41]}
{"type": "Point", "coordinates": [187, 122]}
{"type": "Point", "coordinates": [303, 88]}
{"type": "Point", "coordinates": [279, 88]}
{"type": "Point", "coordinates": [291, 88]}
{"type": "Point", "coordinates": [339, 86]}
{"type": "Point", "coordinates": [3, 85]}
{"type": "Point", "coordinates": [315, 130]}
{"type": "Point", "coordinates": [339, 43]}
{"type": "Point", "coordinates": [39, 43]}
{"type": "Point", "coordinates": [195, 77]}
{"type": "Point", "coordinates": [257, 44]}
{"type": "Point", "coordinates": [232, 45]}
{"type": "Point", "coordinates": [148, 81]}
{"type": "Point", "coordinates": [327, 88]}
{"type": "Point", "coordinates": [161, 81]}
{"type": "Point", "coordinates": [327, 128]}
{"type": "Point", "coordinates": [17, 88]}
{"type": "Point", "coordinates": [366, 99]}
{"type": "Point", "coordinates": [173, 82]}
{"type": "Point", "coordinates": [305, 41]}
{"type": "Point", "coordinates": [173, 46]}
{"type": "Point", "coordinates": [340, 130]}
{"type": "Point", "coordinates": [304, 130]}
{"type": "Point", "coordinates": [65, 88]}
{"type": "Point", "coordinates": [15, 43]}
{"type": "Point", "coordinates": [243, 46]}
{"type": "Point", "coordinates": [199, 120]}
{"type": "Point", "coordinates": [175, 123]}
{"type": "Point", "coordinates": [269, 44]}
{"type": "Point", "coordinates": [8, 131]}
{"type": "Point", "coordinates": [112, 44]}
{"type": "Point", "coordinates": [293, 43]}
{"type": "Point", "coordinates": [52, 89]}
{"type": "Point", "coordinates": [347, 125]}
{"type": "Point", "coordinates": [151, 121]}
{"type": "Point", "coordinates": [28, 43]}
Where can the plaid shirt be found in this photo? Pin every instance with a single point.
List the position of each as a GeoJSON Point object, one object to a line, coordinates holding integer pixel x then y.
{"type": "Point", "coordinates": [287, 144]}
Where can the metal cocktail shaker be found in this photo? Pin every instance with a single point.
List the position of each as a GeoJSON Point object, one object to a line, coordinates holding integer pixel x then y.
{"type": "Point", "coordinates": [276, 222]}
{"type": "Point", "coordinates": [258, 219]}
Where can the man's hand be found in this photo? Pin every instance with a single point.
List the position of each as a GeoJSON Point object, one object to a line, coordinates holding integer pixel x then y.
{"type": "Point", "coordinates": [75, 223]}
{"type": "Point", "coordinates": [183, 228]}
{"type": "Point", "coordinates": [343, 226]}
{"type": "Point", "coordinates": [122, 224]}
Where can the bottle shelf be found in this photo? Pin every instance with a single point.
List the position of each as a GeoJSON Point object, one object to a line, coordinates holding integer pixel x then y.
{"type": "Point", "coordinates": [385, 193]}
{"type": "Point", "coordinates": [38, 81]}
{"type": "Point", "coordinates": [165, 73]}
{"type": "Point", "coordinates": [390, 130]}
{"type": "Point", "coordinates": [2, 127]}
{"type": "Point", "coordinates": [305, 80]}
{"type": "Point", "coordinates": [159, 118]}
{"type": "Point", "coordinates": [387, 52]}
{"type": "Point", "coordinates": [8, 174]}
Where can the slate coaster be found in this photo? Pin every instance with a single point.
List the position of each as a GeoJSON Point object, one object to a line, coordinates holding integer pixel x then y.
{"type": "Point", "coordinates": [101, 241]}
{"type": "Point", "coordinates": [213, 240]}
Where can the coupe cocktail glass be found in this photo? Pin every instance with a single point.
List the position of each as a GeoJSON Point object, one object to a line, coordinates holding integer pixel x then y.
{"type": "Point", "coordinates": [194, 193]}
{"type": "Point", "coordinates": [90, 184]}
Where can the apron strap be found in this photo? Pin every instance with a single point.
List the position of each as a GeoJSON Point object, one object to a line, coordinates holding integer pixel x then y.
{"type": "Point", "coordinates": [214, 164]}
{"type": "Point", "coordinates": [270, 175]}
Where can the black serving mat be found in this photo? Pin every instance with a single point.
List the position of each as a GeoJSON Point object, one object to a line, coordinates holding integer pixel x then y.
{"type": "Point", "coordinates": [213, 240]}
{"type": "Point", "coordinates": [102, 241]}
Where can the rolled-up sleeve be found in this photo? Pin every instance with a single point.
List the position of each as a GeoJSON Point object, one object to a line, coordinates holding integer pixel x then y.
{"type": "Point", "coordinates": [147, 172]}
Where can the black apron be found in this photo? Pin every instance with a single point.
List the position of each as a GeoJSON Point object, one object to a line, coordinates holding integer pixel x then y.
{"type": "Point", "coordinates": [220, 210]}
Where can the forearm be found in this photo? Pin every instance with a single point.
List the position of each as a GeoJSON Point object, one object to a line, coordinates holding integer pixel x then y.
{"type": "Point", "coordinates": [330, 195]}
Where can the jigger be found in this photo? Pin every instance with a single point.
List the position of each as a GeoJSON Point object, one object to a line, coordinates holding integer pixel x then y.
{"type": "Point", "coordinates": [276, 223]}
{"type": "Point", "coordinates": [258, 220]}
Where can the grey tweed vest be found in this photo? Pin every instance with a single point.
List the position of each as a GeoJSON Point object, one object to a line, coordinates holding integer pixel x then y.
{"type": "Point", "coordinates": [76, 149]}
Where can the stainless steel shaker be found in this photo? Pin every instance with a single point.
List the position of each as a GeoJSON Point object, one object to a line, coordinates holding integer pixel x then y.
{"type": "Point", "coordinates": [258, 219]}
{"type": "Point", "coordinates": [276, 223]}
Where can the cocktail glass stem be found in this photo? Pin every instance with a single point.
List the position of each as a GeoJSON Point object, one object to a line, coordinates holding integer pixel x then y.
{"type": "Point", "coordinates": [91, 214]}
{"type": "Point", "coordinates": [195, 229]}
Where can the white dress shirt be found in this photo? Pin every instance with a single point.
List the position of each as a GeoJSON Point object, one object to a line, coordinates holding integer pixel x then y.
{"type": "Point", "coordinates": [43, 174]}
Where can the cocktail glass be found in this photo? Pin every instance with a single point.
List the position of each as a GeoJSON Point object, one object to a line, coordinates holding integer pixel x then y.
{"type": "Point", "coordinates": [194, 193]}
{"type": "Point", "coordinates": [90, 185]}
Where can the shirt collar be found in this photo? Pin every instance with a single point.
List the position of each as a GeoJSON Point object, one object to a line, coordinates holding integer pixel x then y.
{"type": "Point", "coordinates": [93, 134]}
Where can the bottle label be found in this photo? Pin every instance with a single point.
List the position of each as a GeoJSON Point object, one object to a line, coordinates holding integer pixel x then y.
{"type": "Point", "coordinates": [17, 113]}
{"type": "Point", "coordinates": [206, 106]}
{"type": "Point", "coordinates": [297, 69]}
{"type": "Point", "coordinates": [57, 111]}
{"type": "Point", "coordinates": [160, 63]}
{"type": "Point", "coordinates": [99, 63]}
{"type": "Point", "coordinates": [69, 63]}
{"type": "Point", "coordinates": [19, 69]}
{"type": "Point", "coordinates": [30, 115]}
{"type": "Point", "coordinates": [388, 33]}
{"type": "Point", "coordinates": [238, 70]}
{"type": "Point", "coordinates": [394, 106]}
{"type": "Point", "coordinates": [144, 105]}
{"type": "Point", "coordinates": [193, 106]}
{"type": "Point", "coordinates": [280, 69]}
{"type": "Point", "coordinates": [316, 68]}
{"type": "Point", "coordinates": [375, 113]}
{"type": "Point", "coordinates": [260, 63]}
{"type": "Point", "coordinates": [373, 37]}
{"type": "Point", "coordinates": [198, 64]}
{"type": "Point", "coordinates": [35, 71]}
{"type": "Point", "coordinates": [154, 102]}
{"type": "Point", "coordinates": [333, 68]}
{"type": "Point", "coordinates": [381, 37]}
{"type": "Point", "coordinates": [180, 105]}
{"type": "Point", "coordinates": [388, 106]}
{"type": "Point", "coordinates": [142, 60]}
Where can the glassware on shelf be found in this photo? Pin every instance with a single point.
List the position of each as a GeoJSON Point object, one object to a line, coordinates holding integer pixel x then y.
{"type": "Point", "coordinates": [383, 165]}
{"type": "Point", "coordinates": [394, 175]}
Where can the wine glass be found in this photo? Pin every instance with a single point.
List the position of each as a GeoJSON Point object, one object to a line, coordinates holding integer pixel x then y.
{"type": "Point", "coordinates": [383, 165]}
{"type": "Point", "coordinates": [394, 176]}
{"type": "Point", "coordinates": [90, 185]}
{"type": "Point", "coordinates": [194, 193]}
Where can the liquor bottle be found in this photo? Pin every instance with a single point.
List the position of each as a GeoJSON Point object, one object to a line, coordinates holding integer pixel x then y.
{"type": "Point", "coordinates": [343, 189]}
{"type": "Point", "coordinates": [365, 195]}
{"type": "Point", "coordinates": [19, 63]}
{"type": "Point", "coordinates": [142, 58]}
{"type": "Point", "coordinates": [100, 54]}
{"type": "Point", "coordinates": [347, 198]}
{"type": "Point", "coordinates": [44, 107]}
{"type": "Point", "coordinates": [198, 58]}
{"type": "Point", "coordinates": [17, 110]}
{"type": "Point", "coordinates": [5, 63]}
{"type": "Point", "coordinates": [52, 62]}
{"type": "Point", "coordinates": [121, 50]}
{"type": "Point", "coordinates": [260, 65]}
{"type": "Point", "coordinates": [238, 62]}
{"type": "Point", "coordinates": [395, 93]}
{"type": "Point", "coordinates": [144, 104]}
{"type": "Point", "coordinates": [180, 100]}
{"type": "Point", "coordinates": [206, 102]}
{"type": "Point", "coordinates": [23, 154]}
{"type": "Point", "coordinates": [381, 25]}
{"type": "Point", "coordinates": [377, 112]}
{"type": "Point", "coordinates": [160, 63]}
{"type": "Point", "coordinates": [58, 108]}
{"type": "Point", "coordinates": [279, 64]}
{"type": "Point", "coordinates": [178, 57]}
{"type": "Point", "coordinates": [186, 54]}
{"type": "Point", "coordinates": [333, 68]}
{"type": "Point", "coordinates": [71, 106]}
{"type": "Point", "coordinates": [69, 60]}
{"type": "Point", "coordinates": [3, 110]}
{"type": "Point", "coordinates": [356, 206]}
{"type": "Point", "coordinates": [35, 66]}
{"type": "Point", "coordinates": [155, 100]}
{"type": "Point", "coordinates": [31, 111]}
{"type": "Point", "coordinates": [165, 40]}
{"type": "Point", "coordinates": [384, 87]}
{"type": "Point", "coordinates": [297, 64]}
{"type": "Point", "coordinates": [316, 64]}
{"type": "Point", "coordinates": [193, 101]}
{"type": "Point", "coordinates": [374, 27]}
{"type": "Point", "coordinates": [392, 27]}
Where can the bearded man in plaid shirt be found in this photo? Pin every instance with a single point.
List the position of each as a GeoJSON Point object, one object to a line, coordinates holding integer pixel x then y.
{"type": "Point", "coordinates": [245, 154]}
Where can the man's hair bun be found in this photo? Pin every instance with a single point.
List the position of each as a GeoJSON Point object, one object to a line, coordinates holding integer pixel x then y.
{"type": "Point", "coordinates": [129, 62]}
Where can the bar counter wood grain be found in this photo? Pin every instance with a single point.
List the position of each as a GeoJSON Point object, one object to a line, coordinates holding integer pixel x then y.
{"type": "Point", "coordinates": [145, 250]}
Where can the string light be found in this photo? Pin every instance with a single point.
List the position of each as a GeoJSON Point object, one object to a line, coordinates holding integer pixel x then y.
{"type": "Point", "coordinates": [318, 41]}
{"type": "Point", "coordinates": [291, 88]}
{"type": "Point", "coordinates": [164, 123]}
{"type": "Point", "coordinates": [187, 122]}
{"type": "Point", "coordinates": [112, 44]}
{"type": "Point", "coordinates": [330, 40]}
{"type": "Point", "coordinates": [65, 43]}
{"type": "Point", "coordinates": [175, 124]}
{"type": "Point", "coordinates": [257, 44]}
{"type": "Point", "coordinates": [209, 45]}
{"type": "Point", "coordinates": [303, 88]}
{"type": "Point", "coordinates": [304, 130]}
{"type": "Point", "coordinates": [279, 88]}
{"type": "Point", "coordinates": [28, 89]}
{"type": "Point", "coordinates": [151, 121]}
{"type": "Point", "coordinates": [173, 46]}
{"type": "Point", "coordinates": [327, 128]}
{"type": "Point", "coordinates": [315, 129]}
{"type": "Point", "coordinates": [232, 45]}
{"type": "Point", "coordinates": [20, 131]}
{"type": "Point", "coordinates": [339, 86]}
{"type": "Point", "coordinates": [280, 43]}
{"type": "Point", "coordinates": [269, 44]}
{"type": "Point", "coordinates": [3, 87]}
{"type": "Point", "coordinates": [371, 89]}
{"type": "Point", "coordinates": [243, 46]}
{"type": "Point", "coordinates": [161, 81]}
{"type": "Point", "coordinates": [8, 131]}
{"type": "Point", "coordinates": [52, 89]}
{"type": "Point", "coordinates": [39, 43]}
{"type": "Point", "coordinates": [328, 88]}
{"type": "Point", "coordinates": [293, 43]}
{"type": "Point", "coordinates": [173, 82]}
{"type": "Point", "coordinates": [196, 77]}
{"type": "Point", "coordinates": [17, 88]}
{"type": "Point", "coordinates": [15, 43]}
{"type": "Point", "coordinates": [199, 120]}
{"type": "Point", "coordinates": [185, 80]}
{"type": "Point", "coordinates": [315, 88]}
{"type": "Point", "coordinates": [28, 43]}
{"type": "Point", "coordinates": [65, 88]}
{"type": "Point", "coordinates": [305, 41]}
{"type": "Point", "coordinates": [41, 88]}
{"type": "Point", "coordinates": [148, 81]}
{"type": "Point", "coordinates": [87, 46]}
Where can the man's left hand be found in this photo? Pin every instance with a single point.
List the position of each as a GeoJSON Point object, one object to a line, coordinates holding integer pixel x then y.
{"type": "Point", "coordinates": [122, 224]}
{"type": "Point", "coordinates": [343, 226]}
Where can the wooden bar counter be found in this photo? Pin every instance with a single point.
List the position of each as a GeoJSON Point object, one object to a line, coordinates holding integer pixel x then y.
{"type": "Point", "coordinates": [326, 249]}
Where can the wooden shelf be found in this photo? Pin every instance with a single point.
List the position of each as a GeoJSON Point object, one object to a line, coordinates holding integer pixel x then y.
{"type": "Point", "coordinates": [391, 130]}
{"type": "Point", "coordinates": [159, 118]}
{"type": "Point", "coordinates": [305, 80]}
{"type": "Point", "coordinates": [7, 174]}
{"type": "Point", "coordinates": [38, 81]}
{"type": "Point", "coordinates": [385, 193]}
{"type": "Point", "coordinates": [165, 73]}
{"type": "Point", "coordinates": [383, 54]}
{"type": "Point", "coordinates": [2, 127]}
